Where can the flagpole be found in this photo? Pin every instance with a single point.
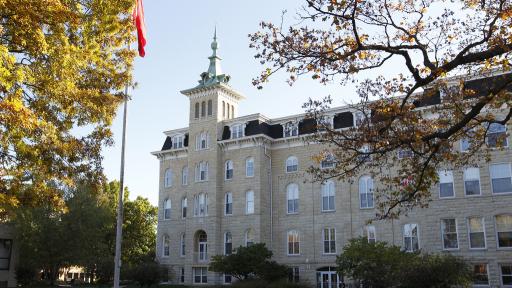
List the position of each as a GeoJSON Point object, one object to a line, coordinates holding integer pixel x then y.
{"type": "Point", "coordinates": [119, 229]}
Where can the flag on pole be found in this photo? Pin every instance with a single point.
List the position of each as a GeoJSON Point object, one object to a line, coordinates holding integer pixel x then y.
{"type": "Point", "coordinates": [138, 18]}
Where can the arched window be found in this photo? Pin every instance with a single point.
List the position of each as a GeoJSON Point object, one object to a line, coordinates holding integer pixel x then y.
{"type": "Point", "coordinates": [232, 111]}
{"type": "Point", "coordinates": [328, 193]}
{"type": "Point", "coordinates": [202, 141]}
{"type": "Point", "coordinates": [228, 204]}
{"type": "Point", "coordinates": [202, 171]}
{"type": "Point", "coordinates": [203, 109]}
{"type": "Point", "coordinates": [370, 234]}
{"type": "Point", "coordinates": [168, 178]}
{"type": "Point", "coordinates": [249, 167]}
{"type": "Point", "coordinates": [249, 237]}
{"type": "Point", "coordinates": [167, 209]}
{"type": "Point", "coordinates": [202, 245]}
{"type": "Point", "coordinates": [228, 243]}
{"type": "Point", "coordinates": [293, 242]}
{"type": "Point", "coordinates": [184, 176]}
{"type": "Point", "coordinates": [184, 205]}
{"type": "Point", "coordinates": [210, 107]}
{"type": "Point", "coordinates": [249, 202]}
{"type": "Point", "coordinates": [182, 245]}
{"type": "Point", "coordinates": [166, 243]}
{"type": "Point", "coordinates": [366, 192]}
{"type": "Point", "coordinates": [196, 110]}
{"type": "Point", "coordinates": [201, 204]}
{"type": "Point", "coordinates": [292, 164]}
{"type": "Point", "coordinates": [292, 198]}
{"type": "Point", "coordinates": [291, 129]}
{"type": "Point", "coordinates": [227, 110]}
{"type": "Point", "coordinates": [228, 170]}
{"type": "Point", "coordinates": [223, 110]}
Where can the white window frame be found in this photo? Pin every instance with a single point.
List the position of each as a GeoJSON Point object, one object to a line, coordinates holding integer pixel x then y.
{"type": "Point", "coordinates": [249, 167]}
{"type": "Point", "coordinates": [182, 245]}
{"type": "Point", "coordinates": [295, 236]}
{"type": "Point", "coordinates": [509, 165]}
{"type": "Point", "coordinates": [229, 170]}
{"type": "Point", "coordinates": [370, 231]}
{"type": "Point", "coordinates": [486, 271]}
{"type": "Point", "coordinates": [202, 171]}
{"type": "Point", "coordinates": [224, 277]}
{"type": "Point", "coordinates": [328, 161]}
{"type": "Point", "coordinates": [448, 174]}
{"type": "Point", "coordinates": [292, 198]}
{"type": "Point", "coordinates": [201, 275]}
{"type": "Point", "coordinates": [409, 237]}
{"type": "Point", "coordinates": [248, 233]}
{"type": "Point", "coordinates": [366, 191]}
{"type": "Point", "coordinates": [502, 130]}
{"type": "Point", "coordinates": [359, 117]}
{"type": "Point", "coordinates": [228, 200]}
{"type": "Point", "coordinates": [226, 242]}
{"type": "Point", "coordinates": [290, 129]}
{"type": "Point", "coordinates": [328, 192]}
{"type": "Point", "coordinates": [443, 233]}
{"type": "Point", "coordinates": [184, 207]}
{"type": "Point", "coordinates": [167, 208]}
{"type": "Point", "coordinates": [291, 164]}
{"type": "Point", "coordinates": [237, 130]}
{"type": "Point", "coordinates": [507, 275]}
{"type": "Point", "coordinates": [178, 141]}
{"type": "Point", "coordinates": [168, 178]}
{"type": "Point", "coordinates": [467, 177]}
{"type": "Point", "coordinates": [498, 231]}
{"type": "Point", "coordinates": [462, 145]}
{"type": "Point", "coordinates": [166, 246]}
{"type": "Point", "coordinates": [201, 204]}
{"type": "Point", "coordinates": [184, 176]}
{"type": "Point", "coordinates": [482, 222]}
{"type": "Point", "coordinates": [331, 238]}
{"type": "Point", "coordinates": [202, 141]}
{"type": "Point", "coordinates": [249, 202]}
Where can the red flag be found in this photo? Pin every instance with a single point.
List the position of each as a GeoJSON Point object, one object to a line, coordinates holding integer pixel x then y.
{"type": "Point", "coordinates": [138, 18]}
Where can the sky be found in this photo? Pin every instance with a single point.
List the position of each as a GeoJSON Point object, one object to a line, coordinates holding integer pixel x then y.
{"type": "Point", "coordinates": [179, 34]}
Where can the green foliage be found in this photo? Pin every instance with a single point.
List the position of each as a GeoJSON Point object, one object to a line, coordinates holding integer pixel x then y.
{"type": "Point", "coordinates": [380, 265]}
{"type": "Point", "coordinates": [148, 273]}
{"type": "Point", "coordinates": [249, 262]}
{"type": "Point", "coordinates": [257, 283]}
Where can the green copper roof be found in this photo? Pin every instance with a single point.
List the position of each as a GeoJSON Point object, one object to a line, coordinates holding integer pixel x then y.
{"type": "Point", "coordinates": [214, 74]}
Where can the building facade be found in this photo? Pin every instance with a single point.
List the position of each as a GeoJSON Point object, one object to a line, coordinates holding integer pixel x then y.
{"type": "Point", "coordinates": [228, 181]}
{"type": "Point", "coordinates": [7, 256]}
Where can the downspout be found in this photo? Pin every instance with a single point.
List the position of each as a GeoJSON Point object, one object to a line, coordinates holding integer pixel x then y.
{"type": "Point", "coordinates": [271, 196]}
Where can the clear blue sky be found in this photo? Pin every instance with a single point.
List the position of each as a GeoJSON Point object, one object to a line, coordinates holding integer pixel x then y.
{"type": "Point", "coordinates": [179, 36]}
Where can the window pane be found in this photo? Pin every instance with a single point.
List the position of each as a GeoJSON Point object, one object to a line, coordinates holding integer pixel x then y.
{"type": "Point", "coordinates": [501, 185]}
{"type": "Point", "coordinates": [480, 276]}
{"type": "Point", "coordinates": [446, 190]}
{"type": "Point", "coordinates": [506, 274]}
{"type": "Point", "coordinates": [472, 187]}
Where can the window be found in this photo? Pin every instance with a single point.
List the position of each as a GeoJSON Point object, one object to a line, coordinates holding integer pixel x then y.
{"type": "Point", "coordinates": [202, 246]}
{"type": "Point", "coordinates": [504, 230]}
{"type": "Point", "coordinates": [184, 176]}
{"type": "Point", "coordinates": [227, 279]}
{"type": "Point", "coordinates": [166, 246]}
{"type": "Point", "coordinates": [293, 275]}
{"type": "Point", "coordinates": [411, 239]}
{"type": "Point", "coordinates": [5, 253]}
{"type": "Point", "coordinates": [249, 167]}
{"type": "Point", "coordinates": [501, 178]}
{"type": "Point", "coordinates": [200, 275]}
{"type": "Point", "coordinates": [233, 111]}
{"type": "Point", "coordinates": [506, 275]}
{"type": "Point", "coordinates": [291, 129]}
{"type": "Point", "coordinates": [359, 118]}
{"type": "Point", "coordinates": [168, 178]}
{"type": "Point", "coordinates": [292, 164]}
{"type": "Point", "coordinates": [223, 110]}
{"type": "Point", "coordinates": [249, 237]}
{"type": "Point", "coordinates": [496, 135]}
{"type": "Point", "coordinates": [182, 275]}
{"type": "Point", "coordinates": [228, 175]}
{"type": "Point", "coordinates": [465, 143]}
{"type": "Point", "coordinates": [364, 154]}
{"type": "Point", "coordinates": [249, 202]}
{"type": "Point", "coordinates": [366, 192]}
{"type": "Point", "coordinates": [329, 235]}
{"type": "Point", "coordinates": [293, 243]}
{"type": "Point", "coordinates": [327, 162]}
{"type": "Point", "coordinates": [201, 204]}
{"type": "Point", "coordinates": [292, 198]}
{"type": "Point", "coordinates": [203, 109]}
{"type": "Point", "coordinates": [228, 204]}
{"type": "Point", "coordinates": [202, 141]}
{"type": "Point", "coordinates": [182, 245]}
{"type": "Point", "coordinates": [472, 181]}
{"type": "Point", "coordinates": [228, 243]}
{"type": "Point", "coordinates": [237, 131]}
{"type": "Point", "coordinates": [167, 209]}
{"type": "Point", "coordinates": [328, 192]}
{"type": "Point", "coordinates": [449, 232]}
{"type": "Point", "coordinates": [184, 207]}
{"type": "Point", "coordinates": [446, 184]}
{"type": "Point", "coordinates": [196, 111]}
{"type": "Point", "coordinates": [210, 107]}
{"type": "Point", "coordinates": [480, 276]}
{"type": "Point", "coordinates": [405, 153]}
{"type": "Point", "coordinates": [227, 112]}
{"type": "Point", "coordinates": [177, 141]}
{"type": "Point", "coordinates": [202, 171]}
{"type": "Point", "coordinates": [476, 230]}
{"type": "Point", "coordinates": [370, 233]}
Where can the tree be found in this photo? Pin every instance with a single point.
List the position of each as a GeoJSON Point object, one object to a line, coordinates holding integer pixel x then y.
{"type": "Point", "coordinates": [382, 265]}
{"type": "Point", "coordinates": [426, 41]}
{"type": "Point", "coordinates": [64, 64]}
{"type": "Point", "coordinates": [249, 262]}
{"type": "Point", "coordinates": [147, 273]}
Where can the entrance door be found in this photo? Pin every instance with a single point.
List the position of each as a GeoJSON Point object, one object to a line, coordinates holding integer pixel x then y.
{"type": "Point", "coordinates": [328, 279]}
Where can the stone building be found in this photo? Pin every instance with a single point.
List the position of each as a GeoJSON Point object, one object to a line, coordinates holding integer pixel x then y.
{"type": "Point", "coordinates": [228, 180]}
{"type": "Point", "coordinates": [7, 256]}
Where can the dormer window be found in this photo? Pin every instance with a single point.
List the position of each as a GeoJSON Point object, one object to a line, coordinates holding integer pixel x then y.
{"type": "Point", "coordinates": [325, 122]}
{"type": "Point", "coordinates": [177, 141]}
{"type": "Point", "coordinates": [237, 131]}
{"type": "Point", "coordinates": [359, 118]}
{"type": "Point", "coordinates": [291, 129]}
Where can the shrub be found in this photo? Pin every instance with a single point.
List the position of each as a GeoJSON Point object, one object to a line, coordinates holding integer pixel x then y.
{"type": "Point", "coordinates": [146, 274]}
{"type": "Point", "coordinates": [25, 275]}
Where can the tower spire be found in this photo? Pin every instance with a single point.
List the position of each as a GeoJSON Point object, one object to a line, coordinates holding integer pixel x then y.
{"type": "Point", "coordinates": [214, 69]}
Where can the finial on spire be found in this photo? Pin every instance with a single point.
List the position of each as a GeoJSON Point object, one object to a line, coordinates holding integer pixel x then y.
{"type": "Point", "coordinates": [215, 45]}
